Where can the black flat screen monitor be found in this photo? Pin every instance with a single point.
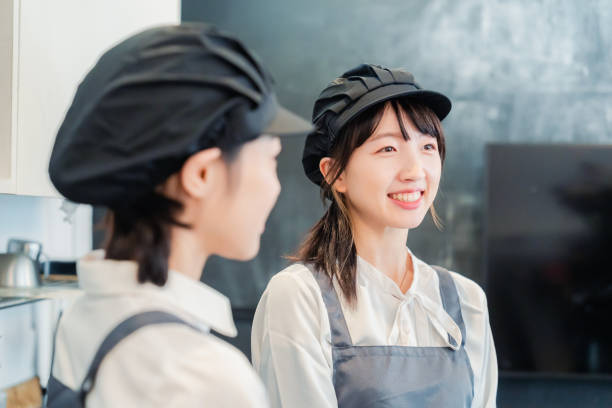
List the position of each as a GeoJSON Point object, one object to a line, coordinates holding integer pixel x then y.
{"type": "Point", "coordinates": [548, 257]}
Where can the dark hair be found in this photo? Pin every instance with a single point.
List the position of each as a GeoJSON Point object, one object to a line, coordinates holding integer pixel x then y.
{"type": "Point", "coordinates": [140, 231]}
{"type": "Point", "coordinates": [329, 245]}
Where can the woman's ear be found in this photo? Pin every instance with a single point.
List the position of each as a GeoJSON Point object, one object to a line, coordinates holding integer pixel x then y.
{"type": "Point", "coordinates": [199, 172]}
{"type": "Point", "coordinates": [324, 167]}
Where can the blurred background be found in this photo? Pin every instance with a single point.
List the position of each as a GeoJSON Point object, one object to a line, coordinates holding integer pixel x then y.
{"type": "Point", "coordinates": [526, 194]}
{"type": "Point", "coordinates": [518, 72]}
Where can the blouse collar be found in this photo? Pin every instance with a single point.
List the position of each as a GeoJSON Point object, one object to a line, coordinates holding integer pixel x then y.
{"type": "Point", "coordinates": [99, 276]}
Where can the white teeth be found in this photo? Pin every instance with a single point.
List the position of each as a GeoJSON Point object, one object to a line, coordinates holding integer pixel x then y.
{"type": "Point", "coordinates": [407, 197]}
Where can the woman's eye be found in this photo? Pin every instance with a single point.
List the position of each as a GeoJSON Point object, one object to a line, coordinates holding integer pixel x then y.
{"type": "Point", "coordinates": [430, 146]}
{"type": "Point", "coordinates": [387, 149]}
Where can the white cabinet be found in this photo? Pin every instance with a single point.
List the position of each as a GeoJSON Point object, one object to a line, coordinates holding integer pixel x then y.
{"type": "Point", "coordinates": [17, 345]}
{"type": "Point", "coordinates": [27, 333]}
{"type": "Point", "coordinates": [46, 47]}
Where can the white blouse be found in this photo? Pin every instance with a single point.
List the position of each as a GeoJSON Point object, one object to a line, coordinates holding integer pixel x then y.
{"type": "Point", "coordinates": [164, 365]}
{"type": "Point", "coordinates": [291, 339]}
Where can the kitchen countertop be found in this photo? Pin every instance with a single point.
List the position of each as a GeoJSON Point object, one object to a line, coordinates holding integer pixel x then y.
{"type": "Point", "coordinates": [50, 289]}
{"type": "Point", "coordinates": [9, 301]}
{"type": "Point", "coordinates": [29, 318]}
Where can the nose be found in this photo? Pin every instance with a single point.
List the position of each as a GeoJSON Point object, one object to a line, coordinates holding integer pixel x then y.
{"type": "Point", "coordinates": [412, 166]}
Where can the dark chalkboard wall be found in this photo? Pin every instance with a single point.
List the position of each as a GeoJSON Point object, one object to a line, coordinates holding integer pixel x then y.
{"type": "Point", "coordinates": [516, 71]}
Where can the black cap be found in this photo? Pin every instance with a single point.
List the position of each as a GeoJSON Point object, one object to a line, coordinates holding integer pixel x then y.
{"type": "Point", "coordinates": [155, 99]}
{"type": "Point", "coordinates": [352, 93]}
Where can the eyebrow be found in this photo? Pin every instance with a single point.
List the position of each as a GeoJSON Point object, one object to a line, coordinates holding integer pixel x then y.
{"type": "Point", "coordinates": [386, 134]}
{"type": "Point", "coordinates": [395, 134]}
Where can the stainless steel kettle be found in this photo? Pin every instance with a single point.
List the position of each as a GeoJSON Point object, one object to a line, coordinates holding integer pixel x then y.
{"type": "Point", "coordinates": [32, 249]}
{"type": "Point", "coordinates": [20, 267]}
{"type": "Point", "coordinates": [18, 271]}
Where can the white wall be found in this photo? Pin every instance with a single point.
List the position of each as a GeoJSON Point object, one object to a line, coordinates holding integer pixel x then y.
{"type": "Point", "coordinates": [42, 219]}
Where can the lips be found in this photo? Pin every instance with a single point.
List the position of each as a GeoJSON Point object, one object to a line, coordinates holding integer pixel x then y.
{"type": "Point", "coordinates": [409, 199]}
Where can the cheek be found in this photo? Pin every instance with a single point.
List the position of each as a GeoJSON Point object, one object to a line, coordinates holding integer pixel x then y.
{"type": "Point", "coordinates": [263, 188]}
{"type": "Point", "coordinates": [434, 172]}
{"type": "Point", "coordinates": [363, 176]}
{"type": "Point", "coordinates": [254, 198]}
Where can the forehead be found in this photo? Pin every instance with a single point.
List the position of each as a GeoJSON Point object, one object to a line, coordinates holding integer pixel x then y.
{"type": "Point", "coordinates": [389, 124]}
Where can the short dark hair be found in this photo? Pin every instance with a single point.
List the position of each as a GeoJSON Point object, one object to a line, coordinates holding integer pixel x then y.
{"type": "Point", "coordinates": [140, 231]}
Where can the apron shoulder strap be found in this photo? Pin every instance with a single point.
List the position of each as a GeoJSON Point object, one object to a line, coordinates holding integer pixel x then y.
{"type": "Point", "coordinates": [59, 394]}
{"type": "Point", "coordinates": [339, 330]}
{"type": "Point", "coordinates": [340, 336]}
{"type": "Point", "coordinates": [450, 298]}
{"type": "Point", "coordinates": [123, 330]}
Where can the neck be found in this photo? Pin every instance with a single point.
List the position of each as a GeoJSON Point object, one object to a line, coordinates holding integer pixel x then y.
{"type": "Point", "coordinates": [186, 255]}
{"type": "Point", "coordinates": [385, 249]}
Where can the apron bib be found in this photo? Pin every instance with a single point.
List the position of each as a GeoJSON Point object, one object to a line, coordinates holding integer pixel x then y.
{"type": "Point", "coordinates": [398, 376]}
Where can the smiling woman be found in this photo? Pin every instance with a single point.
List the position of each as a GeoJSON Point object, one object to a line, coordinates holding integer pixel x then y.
{"type": "Point", "coordinates": [359, 321]}
{"type": "Point", "coordinates": [376, 139]}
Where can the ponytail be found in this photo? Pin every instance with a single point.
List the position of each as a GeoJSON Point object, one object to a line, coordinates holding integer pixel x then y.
{"type": "Point", "coordinates": [140, 232]}
{"type": "Point", "coordinates": [329, 245]}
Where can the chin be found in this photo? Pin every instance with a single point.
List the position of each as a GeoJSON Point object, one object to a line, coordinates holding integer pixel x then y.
{"type": "Point", "coordinates": [248, 256]}
{"type": "Point", "coordinates": [244, 250]}
{"type": "Point", "coordinates": [248, 252]}
{"type": "Point", "coordinates": [407, 224]}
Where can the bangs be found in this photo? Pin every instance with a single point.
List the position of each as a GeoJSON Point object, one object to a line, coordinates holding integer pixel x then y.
{"type": "Point", "coordinates": [423, 118]}
{"type": "Point", "coordinates": [359, 129]}
{"type": "Point", "coordinates": [353, 135]}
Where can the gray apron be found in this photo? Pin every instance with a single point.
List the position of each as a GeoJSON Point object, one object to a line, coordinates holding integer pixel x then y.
{"type": "Point", "coordinates": [398, 376]}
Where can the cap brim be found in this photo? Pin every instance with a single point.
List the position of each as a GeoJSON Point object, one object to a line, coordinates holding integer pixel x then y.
{"type": "Point", "coordinates": [437, 102]}
{"type": "Point", "coordinates": [286, 123]}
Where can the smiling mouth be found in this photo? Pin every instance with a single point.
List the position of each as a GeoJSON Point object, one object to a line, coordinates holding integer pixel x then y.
{"type": "Point", "coordinates": [411, 197]}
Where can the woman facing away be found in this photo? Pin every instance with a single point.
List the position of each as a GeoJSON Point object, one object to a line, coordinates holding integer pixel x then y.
{"type": "Point", "coordinates": [359, 320]}
{"type": "Point", "coordinates": [175, 131]}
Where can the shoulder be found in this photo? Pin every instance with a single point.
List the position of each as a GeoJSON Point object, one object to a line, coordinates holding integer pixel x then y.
{"type": "Point", "coordinates": [188, 367]}
{"type": "Point", "coordinates": [223, 367]}
{"type": "Point", "coordinates": [294, 284]}
{"type": "Point", "coordinates": [291, 304]}
{"type": "Point", "coordinates": [470, 293]}
{"type": "Point", "coordinates": [297, 272]}
{"type": "Point", "coordinates": [175, 344]}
